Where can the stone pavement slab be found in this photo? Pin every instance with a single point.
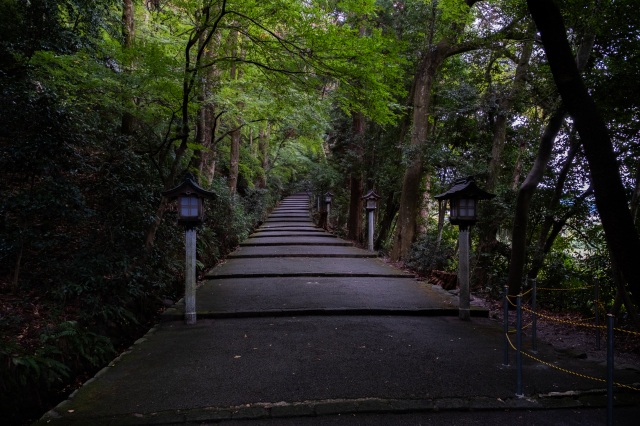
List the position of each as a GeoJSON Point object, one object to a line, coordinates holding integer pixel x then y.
{"type": "Point", "coordinates": [290, 233]}
{"type": "Point", "coordinates": [300, 251]}
{"type": "Point", "coordinates": [288, 224]}
{"type": "Point", "coordinates": [230, 297]}
{"type": "Point", "coordinates": [309, 266]}
{"type": "Point", "coordinates": [257, 368]}
{"type": "Point", "coordinates": [288, 219]}
{"type": "Point", "coordinates": [323, 240]}
{"type": "Point", "coordinates": [279, 214]}
{"type": "Point", "coordinates": [292, 209]}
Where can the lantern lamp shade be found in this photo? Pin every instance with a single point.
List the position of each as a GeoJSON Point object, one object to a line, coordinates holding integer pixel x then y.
{"type": "Point", "coordinates": [190, 198]}
{"type": "Point", "coordinates": [190, 206]}
{"type": "Point", "coordinates": [462, 209]}
{"type": "Point", "coordinates": [371, 200]}
{"type": "Point", "coordinates": [328, 196]}
{"type": "Point", "coordinates": [463, 198]}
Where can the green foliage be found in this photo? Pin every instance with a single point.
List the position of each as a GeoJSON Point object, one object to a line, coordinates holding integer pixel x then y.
{"type": "Point", "coordinates": [230, 219]}
{"type": "Point", "coordinates": [30, 375]}
{"type": "Point", "coordinates": [427, 254]}
{"type": "Point", "coordinates": [454, 10]}
{"type": "Point", "coordinates": [85, 241]}
{"type": "Point", "coordinates": [323, 177]}
{"type": "Point", "coordinates": [571, 287]}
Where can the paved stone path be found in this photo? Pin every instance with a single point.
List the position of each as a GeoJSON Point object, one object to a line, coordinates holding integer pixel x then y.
{"type": "Point", "coordinates": [300, 327]}
{"type": "Point", "coordinates": [289, 267]}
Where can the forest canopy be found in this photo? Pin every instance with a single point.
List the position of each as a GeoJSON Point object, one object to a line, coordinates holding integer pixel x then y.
{"type": "Point", "coordinates": [105, 104]}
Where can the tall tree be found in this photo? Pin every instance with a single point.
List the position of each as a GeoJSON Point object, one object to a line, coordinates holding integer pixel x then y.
{"type": "Point", "coordinates": [535, 175]}
{"type": "Point", "coordinates": [263, 153]}
{"type": "Point", "coordinates": [611, 200]}
{"type": "Point", "coordinates": [354, 223]}
{"type": "Point", "coordinates": [235, 121]}
{"type": "Point", "coordinates": [128, 37]}
{"type": "Point", "coordinates": [488, 231]}
{"type": "Point", "coordinates": [437, 50]}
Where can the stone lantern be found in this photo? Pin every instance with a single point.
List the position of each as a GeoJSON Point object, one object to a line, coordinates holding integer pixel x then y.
{"type": "Point", "coordinates": [328, 197]}
{"type": "Point", "coordinates": [463, 197]}
{"type": "Point", "coordinates": [190, 198]}
{"type": "Point", "coordinates": [371, 204]}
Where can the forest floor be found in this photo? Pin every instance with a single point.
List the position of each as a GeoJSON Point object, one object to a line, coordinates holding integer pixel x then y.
{"type": "Point", "coordinates": [573, 334]}
{"type": "Point", "coordinates": [568, 332]}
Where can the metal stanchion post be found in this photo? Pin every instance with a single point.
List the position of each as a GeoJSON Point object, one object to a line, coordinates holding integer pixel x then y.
{"type": "Point", "coordinates": [534, 320]}
{"type": "Point", "coordinates": [505, 310]}
{"type": "Point", "coordinates": [610, 370]}
{"type": "Point", "coordinates": [519, 392]}
{"type": "Point", "coordinates": [596, 290]}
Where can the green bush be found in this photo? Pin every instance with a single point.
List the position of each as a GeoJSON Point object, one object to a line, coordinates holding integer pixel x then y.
{"type": "Point", "coordinates": [31, 376]}
{"type": "Point", "coordinates": [427, 255]}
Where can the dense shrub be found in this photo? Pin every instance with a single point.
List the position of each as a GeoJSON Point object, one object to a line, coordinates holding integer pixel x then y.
{"type": "Point", "coordinates": [77, 281]}
{"type": "Point", "coordinates": [427, 255]}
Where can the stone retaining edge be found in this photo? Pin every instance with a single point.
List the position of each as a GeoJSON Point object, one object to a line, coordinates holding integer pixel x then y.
{"type": "Point", "coordinates": [282, 409]}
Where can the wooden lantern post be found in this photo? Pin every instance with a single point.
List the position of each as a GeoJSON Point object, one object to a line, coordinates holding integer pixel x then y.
{"type": "Point", "coordinates": [190, 198]}
{"type": "Point", "coordinates": [371, 204]}
{"type": "Point", "coordinates": [328, 197]}
{"type": "Point", "coordinates": [463, 198]}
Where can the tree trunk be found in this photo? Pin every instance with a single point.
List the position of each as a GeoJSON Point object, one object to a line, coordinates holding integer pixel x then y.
{"type": "Point", "coordinates": [234, 159]}
{"type": "Point", "coordinates": [385, 225]}
{"type": "Point", "coordinates": [518, 251]}
{"type": "Point", "coordinates": [504, 109]}
{"type": "Point", "coordinates": [128, 24]}
{"type": "Point", "coordinates": [622, 296]}
{"type": "Point", "coordinates": [426, 203]}
{"type": "Point", "coordinates": [263, 152]}
{"type": "Point", "coordinates": [551, 228]}
{"type": "Point", "coordinates": [203, 119]}
{"type": "Point", "coordinates": [128, 35]}
{"type": "Point", "coordinates": [354, 222]}
{"type": "Point", "coordinates": [411, 195]}
{"type": "Point", "coordinates": [236, 133]}
{"type": "Point", "coordinates": [611, 200]}
{"type": "Point", "coordinates": [548, 229]}
{"type": "Point", "coordinates": [17, 269]}
{"type": "Point", "coordinates": [153, 229]}
{"type": "Point", "coordinates": [488, 230]}
{"type": "Point", "coordinates": [519, 233]}
{"type": "Point", "coordinates": [441, 214]}
{"type": "Point", "coordinates": [207, 157]}
{"type": "Point", "coordinates": [420, 99]}
{"type": "Point", "coordinates": [191, 71]}
{"type": "Point", "coordinates": [635, 198]}
{"type": "Point", "coordinates": [517, 170]}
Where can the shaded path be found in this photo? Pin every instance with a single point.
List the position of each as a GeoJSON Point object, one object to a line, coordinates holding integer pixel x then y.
{"type": "Point", "coordinates": [290, 267]}
{"type": "Point", "coordinates": [291, 329]}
